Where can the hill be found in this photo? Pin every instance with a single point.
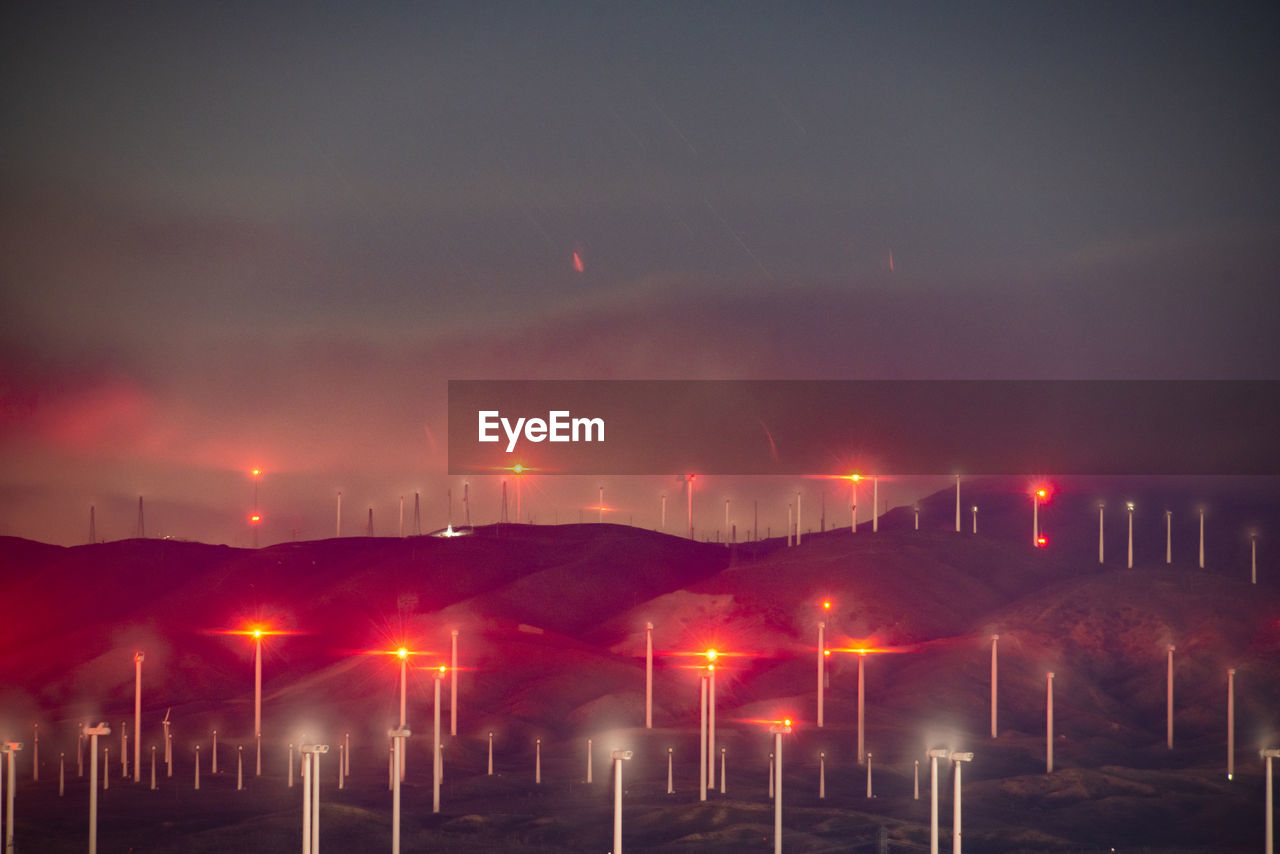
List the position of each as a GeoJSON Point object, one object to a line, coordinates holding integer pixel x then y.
{"type": "Point", "coordinates": [551, 639]}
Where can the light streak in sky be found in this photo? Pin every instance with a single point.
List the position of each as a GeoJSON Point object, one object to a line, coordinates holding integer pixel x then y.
{"type": "Point", "coordinates": [736, 237]}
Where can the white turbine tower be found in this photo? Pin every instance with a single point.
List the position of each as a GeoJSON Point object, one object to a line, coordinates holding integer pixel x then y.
{"type": "Point", "coordinates": [934, 756]}
{"type": "Point", "coordinates": [1202, 538]}
{"type": "Point", "coordinates": [1100, 507]}
{"type": "Point", "coordinates": [853, 505]}
{"type": "Point", "coordinates": [648, 675]}
{"type": "Point", "coordinates": [778, 731]}
{"type": "Point", "coordinates": [1129, 507]}
{"type": "Point", "coordinates": [875, 503]}
{"type": "Point", "coordinates": [822, 669]}
{"type": "Point", "coordinates": [1253, 557]}
{"type": "Point", "coordinates": [397, 739]}
{"type": "Point", "coordinates": [958, 759]}
{"type": "Point", "coordinates": [1231, 723]}
{"type": "Point", "coordinates": [995, 640]}
{"type": "Point", "coordinates": [137, 716]}
{"type": "Point", "coordinates": [797, 517]}
{"type": "Point", "coordinates": [9, 749]}
{"type": "Point", "coordinates": [1035, 516]}
{"type": "Point", "coordinates": [1048, 756]}
{"type": "Point", "coordinates": [1268, 755]}
{"type": "Point", "coordinates": [957, 504]}
{"type": "Point", "coordinates": [453, 685]}
{"type": "Point", "coordinates": [93, 733]}
{"type": "Point", "coordinates": [1169, 703]}
{"type": "Point", "coordinates": [618, 757]}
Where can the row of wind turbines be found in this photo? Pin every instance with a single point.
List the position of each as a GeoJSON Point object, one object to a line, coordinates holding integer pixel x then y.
{"type": "Point", "coordinates": [311, 751]}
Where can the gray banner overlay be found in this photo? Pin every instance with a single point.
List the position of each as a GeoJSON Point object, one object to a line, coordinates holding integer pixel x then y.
{"type": "Point", "coordinates": [771, 427]}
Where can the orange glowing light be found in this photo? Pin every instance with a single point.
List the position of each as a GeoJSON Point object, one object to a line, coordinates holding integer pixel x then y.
{"type": "Point", "coordinates": [787, 722]}
{"type": "Point", "coordinates": [255, 630]}
{"type": "Point", "coordinates": [443, 669]}
{"type": "Point", "coordinates": [826, 605]}
{"type": "Point", "coordinates": [826, 652]}
{"type": "Point", "coordinates": [1042, 541]}
{"type": "Point", "coordinates": [256, 472]}
{"type": "Point", "coordinates": [401, 652]}
{"type": "Point", "coordinates": [869, 646]}
{"type": "Point", "coordinates": [519, 468]}
{"type": "Point", "coordinates": [706, 654]}
{"type": "Point", "coordinates": [255, 518]}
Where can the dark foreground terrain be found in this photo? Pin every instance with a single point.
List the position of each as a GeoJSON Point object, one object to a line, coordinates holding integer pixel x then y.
{"type": "Point", "coordinates": [551, 642]}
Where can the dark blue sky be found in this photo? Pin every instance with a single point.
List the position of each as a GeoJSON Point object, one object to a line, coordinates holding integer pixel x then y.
{"type": "Point", "coordinates": [239, 234]}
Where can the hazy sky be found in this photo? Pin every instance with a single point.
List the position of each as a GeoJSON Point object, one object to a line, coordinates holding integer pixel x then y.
{"type": "Point", "coordinates": [243, 234]}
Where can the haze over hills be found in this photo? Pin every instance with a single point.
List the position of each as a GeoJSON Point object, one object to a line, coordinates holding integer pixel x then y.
{"type": "Point", "coordinates": [551, 635]}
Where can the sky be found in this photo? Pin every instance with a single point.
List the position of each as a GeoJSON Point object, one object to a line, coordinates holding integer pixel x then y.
{"type": "Point", "coordinates": [245, 234]}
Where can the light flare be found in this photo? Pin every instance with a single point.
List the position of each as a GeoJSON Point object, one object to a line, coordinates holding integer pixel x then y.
{"type": "Point", "coordinates": [253, 631]}
{"type": "Point", "coordinates": [516, 468]}
{"type": "Point", "coordinates": [400, 652]}
{"type": "Point", "coordinates": [870, 646]}
{"type": "Point", "coordinates": [765, 721]}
